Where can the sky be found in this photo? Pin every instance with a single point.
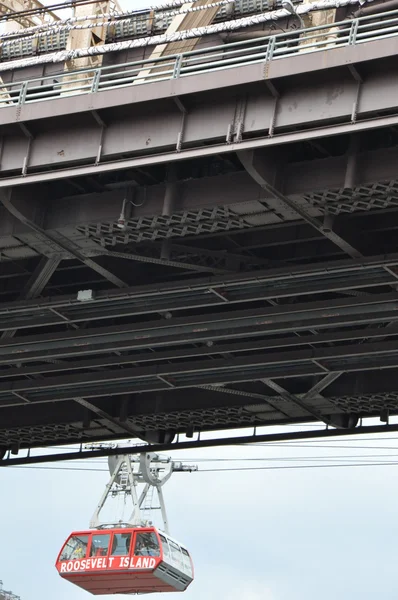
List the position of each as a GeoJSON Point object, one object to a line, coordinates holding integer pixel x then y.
{"type": "Point", "coordinates": [275, 534]}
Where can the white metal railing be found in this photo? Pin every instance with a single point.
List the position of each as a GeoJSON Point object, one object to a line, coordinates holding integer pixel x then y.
{"type": "Point", "coordinates": [260, 50]}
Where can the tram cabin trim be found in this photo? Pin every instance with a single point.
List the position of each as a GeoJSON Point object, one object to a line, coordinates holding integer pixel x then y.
{"type": "Point", "coordinates": [125, 561]}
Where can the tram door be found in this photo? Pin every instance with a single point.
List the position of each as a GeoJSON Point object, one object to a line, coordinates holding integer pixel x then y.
{"type": "Point", "coordinates": [121, 544]}
{"type": "Point", "coordinates": [99, 544]}
{"type": "Point", "coordinates": [146, 543]}
{"type": "Point", "coordinates": [110, 545]}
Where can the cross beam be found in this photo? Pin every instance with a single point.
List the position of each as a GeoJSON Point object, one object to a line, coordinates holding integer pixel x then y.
{"type": "Point", "coordinates": [251, 160]}
{"type": "Point", "coordinates": [315, 390]}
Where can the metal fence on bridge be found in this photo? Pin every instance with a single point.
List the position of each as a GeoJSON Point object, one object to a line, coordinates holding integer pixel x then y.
{"type": "Point", "coordinates": [237, 54]}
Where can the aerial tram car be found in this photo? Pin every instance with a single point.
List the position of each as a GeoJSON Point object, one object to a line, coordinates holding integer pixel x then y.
{"type": "Point", "coordinates": [132, 556]}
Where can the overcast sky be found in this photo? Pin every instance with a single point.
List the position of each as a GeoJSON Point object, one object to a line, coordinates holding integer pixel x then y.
{"type": "Point", "coordinates": [293, 534]}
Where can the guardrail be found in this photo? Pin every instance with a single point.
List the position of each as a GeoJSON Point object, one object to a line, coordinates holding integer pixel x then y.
{"type": "Point", "coordinates": [226, 56]}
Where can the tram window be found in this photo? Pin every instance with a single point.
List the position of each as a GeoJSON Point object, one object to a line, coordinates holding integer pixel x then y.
{"type": "Point", "coordinates": [121, 544]}
{"type": "Point", "coordinates": [146, 544]}
{"type": "Point", "coordinates": [75, 548]}
{"type": "Point", "coordinates": [186, 562]}
{"type": "Point", "coordinates": [100, 545]}
{"type": "Point", "coordinates": [175, 552]}
{"type": "Point", "coordinates": [165, 546]}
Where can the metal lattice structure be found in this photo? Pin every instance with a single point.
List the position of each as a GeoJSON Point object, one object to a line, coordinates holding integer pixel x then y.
{"type": "Point", "coordinates": [33, 12]}
{"type": "Point", "coordinates": [383, 194]}
{"type": "Point", "coordinates": [208, 249]}
{"type": "Point", "coordinates": [119, 26]}
{"type": "Point", "coordinates": [139, 480]}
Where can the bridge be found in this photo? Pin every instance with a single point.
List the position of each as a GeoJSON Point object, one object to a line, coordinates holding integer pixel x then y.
{"type": "Point", "coordinates": [204, 239]}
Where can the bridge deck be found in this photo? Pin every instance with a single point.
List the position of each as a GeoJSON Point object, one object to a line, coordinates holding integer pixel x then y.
{"type": "Point", "coordinates": [214, 249]}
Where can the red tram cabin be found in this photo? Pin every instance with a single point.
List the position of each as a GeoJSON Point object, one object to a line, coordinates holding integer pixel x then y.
{"type": "Point", "coordinates": [125, 561]}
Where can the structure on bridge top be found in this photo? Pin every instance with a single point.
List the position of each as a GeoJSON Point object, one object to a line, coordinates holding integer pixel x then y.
{"type": "Point", "coordinates": [198, 218]}
{"type": "Point", "coordinates": [31, 30]}
{"type": "Point", "coordinates": [4, 595]}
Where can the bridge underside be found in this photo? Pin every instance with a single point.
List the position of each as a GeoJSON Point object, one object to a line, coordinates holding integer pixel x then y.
{"type": "Point", "coordinates": [207, 288]}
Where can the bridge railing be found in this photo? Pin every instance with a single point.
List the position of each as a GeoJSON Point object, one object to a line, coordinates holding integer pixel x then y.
{"type": "Point", "coordinates": [225, 56]}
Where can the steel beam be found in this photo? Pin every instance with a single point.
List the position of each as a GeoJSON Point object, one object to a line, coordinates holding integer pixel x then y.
{"type": "Point", "coordinates": [268, 401]}
{"type": "Point", "coordinates": [255, 165]}
{"type": "Point", "coordinates": [322, 385]}
{"type": "Point", "coordinates": [348, 358]}
{"type": "Point", "coordinates": [162, 262]}
{"type": "Point", "coordinates": [40, 277]}
{"type": "Point", "coordinates": [300, 65]}
{"type": "Point", "coordinates": [313, 412]}
{"type": "Point", "coordinates": [294, 281]}
{"type": "Point", "coordinates": [114, 423]}
{"type": "Point", "coordinates": [61, 245]}
{"type": "Point", "coordinates": [169, 203]}
{"type": "Point", "coordinates": [200, 443]}
{"type": "Point", "coordinates": [306, 177]}
{"type": "Point", "coordinates": [113, 165]}
{"type": "Point", "coordinates": [207, 409]}
{"type": "Point", "coordinates": [36, 284]}
{"type": "Point", "coordinates": [204, 127]}
{"type": "Point", "coordinates": [242, 323]}
{"type": "Point", "coordinates": [140, 406]}
{"type": "Point", "coordinates": [302, 402]}
{"type": "Point", "coordinates": [222, 259]}
{"type": "Point", "coordinates": [217, 350]}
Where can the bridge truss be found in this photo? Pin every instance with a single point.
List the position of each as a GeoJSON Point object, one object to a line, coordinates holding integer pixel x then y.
{"type": "Point", "coordinates": [213, 252]}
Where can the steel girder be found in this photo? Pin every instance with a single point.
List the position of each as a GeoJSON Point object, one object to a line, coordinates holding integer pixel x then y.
{"type": "Point", "coordinates": [231, 289]}
{"type": "Point", "coordinates": [86, 225]}
{"type": "Point", "coordinates": [321, 179]}
{"type": "Point", "coordinates": [218, 325]}
{"type": "Point", "coordinates": [36, 284]}
{"type": "Point", "coordinates": [226, 290]}
{"type": "Point", "coordinates": [198, 443]}
{"type": "Point", "coordinates": [202, 352]}
{"type": "Point", "coordinates": [205, 353]}
{"type": "Point", "coordinates": [258, 170]}
{"type": "Point", "coordinates": [347, 358]}
{"type": "Point", "coordinates": [220, 80]}
{"type": "Point", "coordinates": [248, 361]}
{"type": "Point", "coordinates": [58, 143]}
{"type": "Point", "coordinates": [109, 383]}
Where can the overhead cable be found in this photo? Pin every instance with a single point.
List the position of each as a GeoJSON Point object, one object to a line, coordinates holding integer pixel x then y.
{"type": "Point", "coordinates": [280, 468]}
{"type": "Point", "coordinates": [11, 16]}
{"type": "Point", "coordinates": [233, 469]}
{"type": "Point", "coordinates": [100, 461]}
